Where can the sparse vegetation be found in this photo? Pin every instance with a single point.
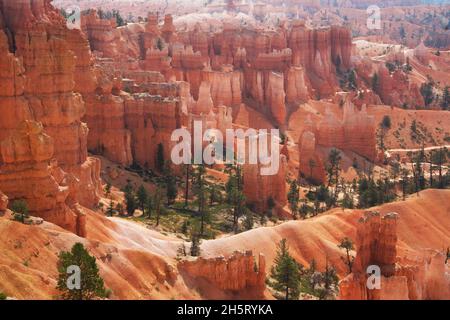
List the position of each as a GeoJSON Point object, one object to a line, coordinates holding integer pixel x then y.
{"type": "Point", "coordinates": [347, 245]}
{"type": "Point", "coordinates": [91, 285]}
{"type": "Point", "coordinates": [20, 210]}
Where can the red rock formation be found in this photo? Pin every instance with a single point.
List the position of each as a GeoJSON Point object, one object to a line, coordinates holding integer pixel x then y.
{"type": "Point", "coordinates": [396, 89]}
{"type": "Point", "coordinates": [238, 273]}
{"type": "Point", "coordinates": [44, 90]}
{"type": "Point", "coordinates": [226, 86]}
{"type": "Point", "coordinates": [168, 31]}
{"type": "Point", "coordinates": [356, 131]}
{"type": "Point", "coordinates": [151, 120]}
{"type": "Point", "coordinates": [101, 33]}
{"type": "Point", "coordinates": [3, 203]}
{"type": "Point", "coordinates": [311, 164]}
{"type": "Point", "coordinates": [401, 278]}
{"type": "Point", "coordinates": [276, 97]}
{"type": "Point", "coordinates": [259, 188]}
{"type": "Point", "coordinates": [25, 174]}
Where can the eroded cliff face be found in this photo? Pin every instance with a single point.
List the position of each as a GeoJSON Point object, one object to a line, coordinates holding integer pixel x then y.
{"type": "Point", "coordinates": [26, 173]}
{"type": "Point", "coordinates": [421, 276]}
{"type": "Point", "coordinates": [355, 132]}
{"type": "Point", "coordinates": [272, 71]}
{"type": "Point", "coordinates": [3, 203]}
{"type": "Point", "coordinates": [38, 68]}
{"type": "Point", "coordinates": [263, 191]}
{"type": "Point", "coordinates": [239, 273]}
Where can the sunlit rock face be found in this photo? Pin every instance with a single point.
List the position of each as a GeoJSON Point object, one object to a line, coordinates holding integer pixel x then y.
{"type": "Point", "coordinates": [36, 57]}
{"type": "Point", "coordinates": [240, 272]}
{"type": "Point", "coordinates": [26, 174]}
{"type": "Point", "coordinates": [355, 132]}
{"type": "Point", "coordinates": [401, 277]}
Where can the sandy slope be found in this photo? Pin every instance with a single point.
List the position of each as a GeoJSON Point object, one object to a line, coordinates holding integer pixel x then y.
{"type": "Point", "coordinates": [138, 263]}
{"type": "Point", "coordinates": [424, 223]}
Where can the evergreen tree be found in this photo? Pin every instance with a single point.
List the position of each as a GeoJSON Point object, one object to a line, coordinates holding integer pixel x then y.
{"type": "Point", "coordinates": [445, 99]}
{"type": "Point", "coordinates": [157, 203]}
{"type": "Point", "coordinates": [130, 199]}
{"type": "Point", "coordinates": [235, 195]}
{"type": "Point", "coordinates": [426, 89]}
{"type": "Point", "coordinates": [171, 185]}
{"type": "Point", "coordinates": [404, 181]}
{"type": "Point", "coordinates": [285, 274]}
{"type": "Point", "coordinates": [142, 196]}
{"type": "Point", "coordinates": [352, 80]}
{"type": "Point", "coordinates": [108, 189]}
{"type": "Point", "coordinates": [201, 191]}
{"type": "Point", "coordinates": [110, 211]}
{"type": "Point", "coordinates": [119, 208]}
{"type": "Point", "coordinates": [347, 245]}
{"type": "Point", "coordinates": [160, 158]}
{"type": "Point", "coordinates": [323, 285]}
{"type": "Point", "coordinates": [91, 284]}
{"type": "Point", "coordinates": [293, 197]}
{"type": "Point", "coordinates": [375, 82]}
{"type": "Point", "coordinates": [248, 221]}
{"type": "Point", "coordinates": [149, 207]}
{"type": "Point", "coordinates": [119, 20]}
{"type": "Point", "coordinates": [186, 183]}
{"type": "Point", "coordinates": [160, 44]}
{"type": "Point", "coordinates": [439, 158]}
{"type": "Point", "coordinates": [402, 32]}
{"type": "Point", "coordinates": [311, 164]}
{"type": "Point", "coordinates": [333, 170]}
{"type": "Point", "coordinates": [196, 240]}
{"type": "Point", "coordinates": [20, 210]}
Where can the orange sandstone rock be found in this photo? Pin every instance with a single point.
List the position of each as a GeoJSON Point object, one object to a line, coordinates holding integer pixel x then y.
{"type": "Point", "coordinates": [238, 273]}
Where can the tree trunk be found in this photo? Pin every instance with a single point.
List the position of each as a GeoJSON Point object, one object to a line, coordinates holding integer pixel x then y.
{"type": "Point", "coordinates": [186, 188]}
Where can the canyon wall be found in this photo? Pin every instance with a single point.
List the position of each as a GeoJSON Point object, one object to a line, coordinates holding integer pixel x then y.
{"type": "Point", "coordinates": [38, 70]}
{"type": "Point", "coordinates": [355, 132]}
{"type": "Point", "coordinates": [272, 71]}
{"type": "Point", "coordinates": [421, 276]}
{"type": "Point", "coordinates": [263, 191]}
{"type": "Point", "coordinates": [238, 273]}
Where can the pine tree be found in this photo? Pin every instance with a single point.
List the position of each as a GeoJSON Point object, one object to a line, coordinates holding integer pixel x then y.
{"type": "Point", "coordinates": [171, 185]}
{"type": "Point", "coordinates": [130, 199]}
{"type": "Point", "coordinates": [110, 211]}
{"type": "Point", "coordinates": [142, 196]}
{"type": "Point", "coordinates": [160, 158]}
{"type": "Point", "coordinates": [293, 197]}
{"type": "Point", "coordinates": [119, 20]}
{"type": "Point", "coordinates": [200, 190]}
{"type": "Point", "coordinates": [285, 274]}
{"type": "Point", "coordinates": [333, 169]}
{"type": "Point", "coordinates": [119, 208]}
{"type": "Point", "coordinates": [347, 245]}
{"type": "Point", "coordinates": [426, 89]}
{"type": "Point", "coordinates": [186, 183]}
{"type": "Point", "coordinates": [196, 240]}
{"type": "Point", "coordinates": [311, 164]}
{"type": "Point", "coordinates": [235, 195]}
{"type": "Point", "coordinates": [248, 221]}
{"type": "Point", "coordinates": [404, 181]}
{"type": "Point", "coordinates": [20, 210]}
{"type": "Point", "coordinates": [445, 99]}
{"type": "Point", "coordinates": [352, 80]}
{"type": "Point", "coordinates": [157, 203]}
{"type": "Point", "coordinates": [375, 82]}
{"type": "Point", "coordinates": [439, 158]}
{"type": "Point", "coordinates": [149, 207]}
{"type": "Point", "coordinates": [160, 44]}
{"type": "Point", "coordinates": [91, 284]}
{"type": "Point", "coordinates": [108, 189]}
